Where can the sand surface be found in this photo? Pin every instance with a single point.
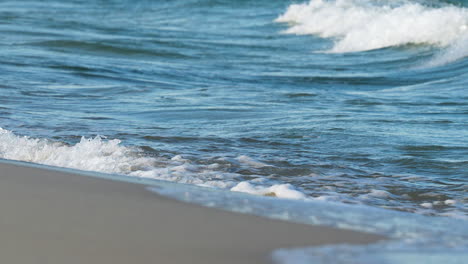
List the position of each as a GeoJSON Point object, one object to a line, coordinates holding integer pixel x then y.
{"type": "Point", "coordinates": [49, 216]}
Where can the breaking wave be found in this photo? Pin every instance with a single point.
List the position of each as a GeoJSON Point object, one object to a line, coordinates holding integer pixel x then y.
{"type": "Point", "coordinates": [360, 25]}
{"type": "Point", "coordinates": [109, 156]}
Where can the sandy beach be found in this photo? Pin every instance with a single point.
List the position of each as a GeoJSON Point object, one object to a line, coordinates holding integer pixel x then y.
{"type": "Point", "coordinates": [54, 217]}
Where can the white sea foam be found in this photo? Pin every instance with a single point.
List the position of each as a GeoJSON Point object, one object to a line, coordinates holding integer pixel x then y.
{"type": "Point", "coordinates": [281, 190]}
{"type": "Point", "coordinates": [426, 205]}
{"type": "Point", "coordinates": [450, 202]}
{"type": "Point", "coordinates": [458, 50]}
{"type": "Point", "coordinates": [109, 156]}
{"type": "Point", "coordinates": [359, 25]}
{"type": "Point", "coordinates": [89, 154]}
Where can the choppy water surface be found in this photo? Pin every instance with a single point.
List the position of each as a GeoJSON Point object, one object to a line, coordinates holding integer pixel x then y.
{"type": "Point", "coordinates": [361, 102]}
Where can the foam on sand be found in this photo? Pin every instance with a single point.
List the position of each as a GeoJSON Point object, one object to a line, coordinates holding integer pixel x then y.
{"type": "Point", "coordinates": [281, 190]}
{"type": "Point", "coordinates": [360, 25]}
{"type": "Point", "coordinates": [413, 238]}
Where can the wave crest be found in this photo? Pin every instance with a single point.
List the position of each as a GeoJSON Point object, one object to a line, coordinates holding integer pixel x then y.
{"type": "Point", "coordinates": [360, 25]}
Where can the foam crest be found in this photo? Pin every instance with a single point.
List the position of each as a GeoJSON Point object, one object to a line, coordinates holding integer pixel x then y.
{"type": "Point", "coordinates": [109, 156]}
{"type": "Point", "coordinates": [359, 25]}
{"type": "Point", "coordinates": [454, 52]}
{"type": "Point", "coordinates": [94, 154]}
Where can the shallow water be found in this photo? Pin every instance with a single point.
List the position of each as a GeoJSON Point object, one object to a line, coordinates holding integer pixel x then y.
{"type": "Point", "coordinates": [361, 102]}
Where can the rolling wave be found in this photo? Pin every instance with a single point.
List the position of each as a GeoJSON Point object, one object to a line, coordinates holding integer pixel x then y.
{"type": "Point", "coordinates": [361, 25]}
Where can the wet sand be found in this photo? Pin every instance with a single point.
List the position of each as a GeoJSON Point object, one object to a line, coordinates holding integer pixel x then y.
{"type": "Point", "coordinates": [48, 216]}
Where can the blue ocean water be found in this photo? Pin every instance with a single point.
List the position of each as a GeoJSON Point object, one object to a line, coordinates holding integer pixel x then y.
{"type": "Point", "coordinates": [359, 102]}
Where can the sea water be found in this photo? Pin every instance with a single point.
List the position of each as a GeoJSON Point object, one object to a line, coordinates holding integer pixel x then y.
{"type": "Point", "coordinates": [354, 103]}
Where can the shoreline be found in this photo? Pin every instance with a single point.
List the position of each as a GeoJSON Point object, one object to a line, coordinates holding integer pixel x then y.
{"type": "Point", "coordinates": [55, 216]}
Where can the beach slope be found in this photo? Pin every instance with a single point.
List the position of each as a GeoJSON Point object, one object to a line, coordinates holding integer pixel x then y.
{"type": "Point", "coordinates": [53, 217]}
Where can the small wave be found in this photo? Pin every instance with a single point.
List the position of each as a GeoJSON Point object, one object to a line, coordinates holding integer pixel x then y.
{"type": "Point", "coordinates": [360, 25]}
{"type": "Point", "coordinates": [103, 155]}
{"type": "Point", "coordinates": [102, 48]}
{"type": "Point", "coordinates": [109, 156]}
